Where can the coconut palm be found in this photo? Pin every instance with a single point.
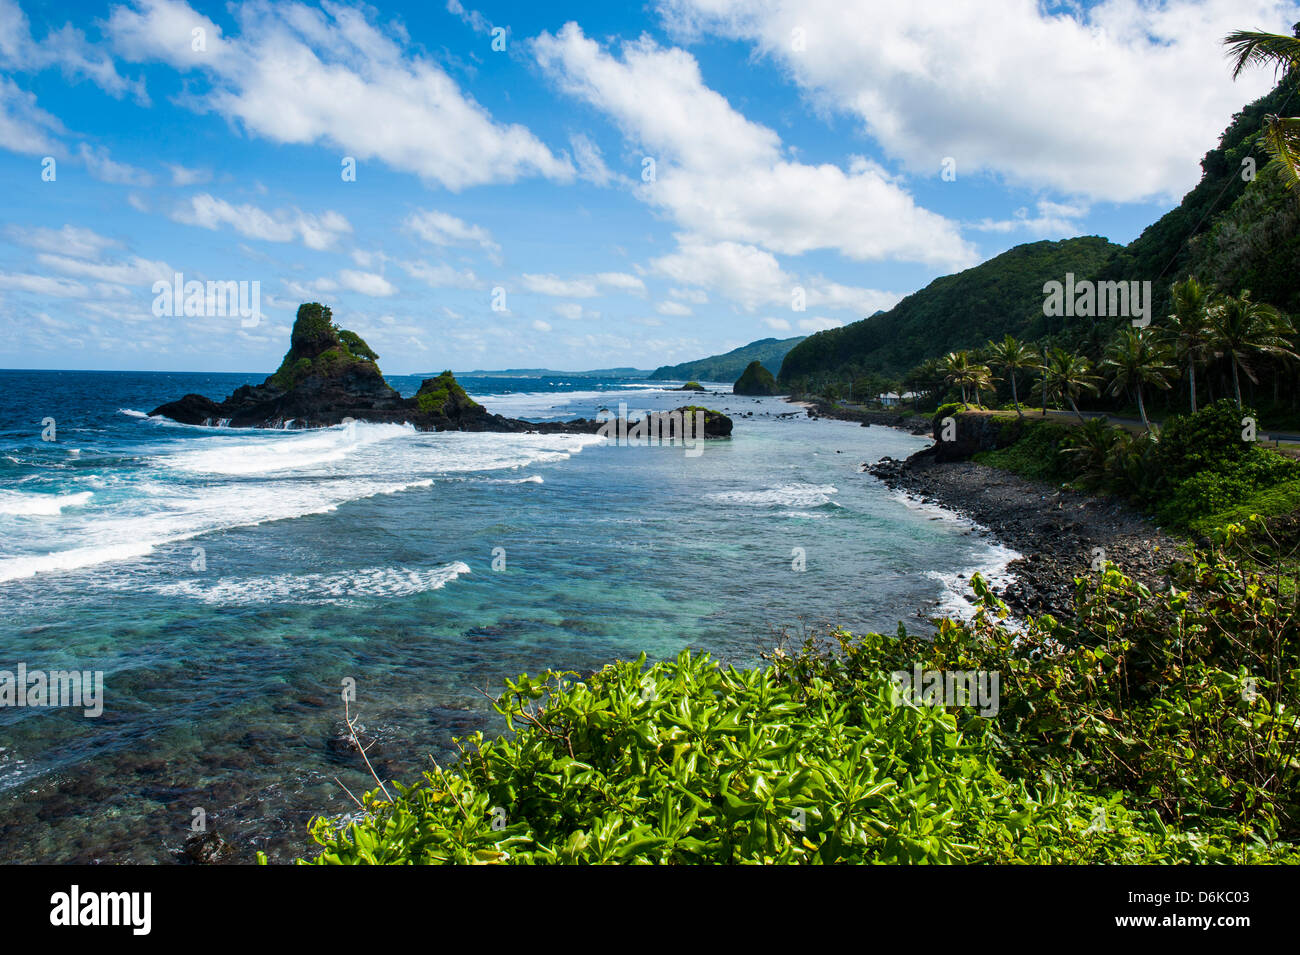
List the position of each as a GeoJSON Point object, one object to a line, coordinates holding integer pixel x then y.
{"type": "Point", "coordinates": [1067, 376]}
{"type": "Point", "coordinates": [1188, 327]}
{"type": "Point", "coordinates": [961, 369]}
{"type": "Point", "coordinates": [1281, 134]}
{"type": "Point", "coordinates": [1012, 355]}
{"type": "Point", "coordinates": [1242, 331]}
{"type": "Point", "coordinates": [1089, 449]}
{"type": "Point", "coordinates": [1136, 358]}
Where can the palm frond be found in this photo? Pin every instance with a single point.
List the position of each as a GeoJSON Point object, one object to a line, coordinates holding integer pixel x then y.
{"type": "Point", "coordinates": [1253, 48]}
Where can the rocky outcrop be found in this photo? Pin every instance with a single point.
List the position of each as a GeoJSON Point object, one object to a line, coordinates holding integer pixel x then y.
{"type": "Point", "coordinates": [755, 380]}
{"type": "Point", "coordinates": [716, 424]}
{"type": "Point", "coordinates": [960, 436]}
{"type": "Point", "coordinates": [330, 375]}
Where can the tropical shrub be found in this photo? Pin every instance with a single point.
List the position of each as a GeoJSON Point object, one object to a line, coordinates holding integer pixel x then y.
{"type": "Point", "coordinates": [1149, 727]}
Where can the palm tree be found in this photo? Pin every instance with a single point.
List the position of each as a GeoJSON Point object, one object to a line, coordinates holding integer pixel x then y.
{"type": "Point", "coordinates": [1012, 355]}
{"type": "Point", "coordinates": [1188, 329]}
{"type": "Point", "coordinates": [1067, 376]}
{"type": "Point", "coordinates": [1090, 449]}
{"type": "Point", "coordinates": [1135, 358]}
{"type": "Point", "coordinates": [1281, 134]}
{"type": "Point", "coordinates": [1242, 330]}
{"type": "Point", "coordinates": [961, 369]}
{"type": "Point", "coordinates": [981, 379]}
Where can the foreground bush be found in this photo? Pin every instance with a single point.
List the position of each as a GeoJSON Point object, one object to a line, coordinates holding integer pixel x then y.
{"type": "Point", "coordinates": [1148, 728]}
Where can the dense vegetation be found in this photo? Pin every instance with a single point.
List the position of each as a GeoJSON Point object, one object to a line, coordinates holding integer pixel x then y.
{"type": "Point", "coordinates": [1235, 235]}
{"type": "Point", "coordinates": [1149, 727]}
{"type": "Point", "coordinates": [1003, 295]}
{"type": "Point", "coordinates": [755, 380]}
{"type": "Point", "coordinates": [768, 351]}
{"type": "Point", "coordinates": [318, 346]}
{"type": "Point", "coordinates": [443, 395]}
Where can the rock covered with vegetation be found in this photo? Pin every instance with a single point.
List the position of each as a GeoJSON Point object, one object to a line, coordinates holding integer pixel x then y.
{"type": "Point", "coordinates": [755, 380]}
{"type": "Point", "coordinates": [329, 375]}
{"type": "Point", "coordinates": [716, 424]}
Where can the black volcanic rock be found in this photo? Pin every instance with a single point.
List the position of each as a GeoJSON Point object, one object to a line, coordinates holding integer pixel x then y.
{"type": "Point", "coordinates": [330, 375]}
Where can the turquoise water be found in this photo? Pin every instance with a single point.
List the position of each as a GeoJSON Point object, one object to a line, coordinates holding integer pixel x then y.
{"type": "Point", "coordinates": [228, 582]}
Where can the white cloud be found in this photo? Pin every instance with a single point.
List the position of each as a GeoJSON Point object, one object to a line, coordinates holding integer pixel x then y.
{"type": "Point", "coordinates": [25, 127]}
{"type": "Point", "coordinates": [101, 167]}
{"type": "Point", "coordinates": [726, 178]}
{"type": "Point", "coordinates": [441, 275]}
{"type": "Point", "coordinates": [1054, 220]}
{"type": "Point", "coordinates": [315, 232]}
{"type": "Point", "coordinates": [296, 74]}
{"type": "Point", "coordinates": [366, 283]}
{"type": "Point", "coordinates": [42, 285]}
{"type": "Point", "coordinates": [673, 308]}
{"type": "Point", "coordinates": [573, 311]}
{"type": "Point", "coordinates": [753, 278]}
{"type": "Point", "coordinates": [811, 325]}
{"type": "Point", "coordinates": [440, 228]}
{"type": "Point", "coordinates": [65, 48]}
{"type": "Point", "coordinates": [588, 286]}
{"type": "Point", "coordinates": [184, 176]}
{"type": "Point", "coordinates": [541, 326]}
{"type": "Point", "coordinates": [590, 162]}
{"type": "Point", "coordinates": [779, 324]}
{"type": "Point", "coordinates": [1094, 102]}
{"type": "Point", "coordinates": [71, 240]}
{"type": "Point", "coordinates": [133, 271]}
{"type": "Point", "coordinates": [693, 295]}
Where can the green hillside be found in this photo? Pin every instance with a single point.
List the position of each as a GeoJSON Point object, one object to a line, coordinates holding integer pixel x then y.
{"type": "Point", "coordinates": [768, 351]}
{"type": "Point", "coordinates": [1004, 294]}
{"type": "Point", "coordinates": [1233, 232]}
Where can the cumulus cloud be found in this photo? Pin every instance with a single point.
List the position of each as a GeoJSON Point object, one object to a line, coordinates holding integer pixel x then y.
{"type": "Point", "coordinates": [724, 177]}
{"type": "Point", "coordinates": [366, 283]}
{"type": "Point", "coordinates": [1096, 102]}
{"type": "Point", "coordinates": [753, 278]}
{"type": "Point", "coordinates": [314, 231]}
{"type": "Point", "coordinates": [297, 74]}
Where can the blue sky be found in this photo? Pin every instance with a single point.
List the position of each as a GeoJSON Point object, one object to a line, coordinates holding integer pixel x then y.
{"type": "Point", "coordinates": [795, 146]}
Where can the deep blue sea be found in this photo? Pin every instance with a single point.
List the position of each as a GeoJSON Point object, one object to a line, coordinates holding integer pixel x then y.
{"type": "Point", "coordinates": [226, 582]}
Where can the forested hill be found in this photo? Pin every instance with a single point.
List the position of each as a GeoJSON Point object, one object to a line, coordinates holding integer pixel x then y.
{"type": "Point", "coordinates": [1000, 296]}
{"type": "Point", "coordinates": [1234, 233]}
{"type": "Point", "coordinates": [1225, 215]}
{"type": "Point", "coordinates": [767, 351]}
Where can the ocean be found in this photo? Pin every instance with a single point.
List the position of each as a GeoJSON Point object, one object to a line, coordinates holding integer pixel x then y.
{"type": "Point", "coordinates": [228, 582]}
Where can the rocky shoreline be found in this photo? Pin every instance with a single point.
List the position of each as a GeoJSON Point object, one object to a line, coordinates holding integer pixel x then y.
{"type": "Point", "coordinates": [1058, 532]}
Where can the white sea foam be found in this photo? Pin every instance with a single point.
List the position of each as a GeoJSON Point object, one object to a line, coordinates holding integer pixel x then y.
{"type": "Point", "coordinates": [240, 456]}
{"type": "Point", "coordinates": [40, 505]}
{"type": "Point", "coordinates": [197, 485]}
{"type": "Point", "coordinates": [796, 495]}
{"type": "Point", "coordinates": [362, 584]}
{"type": "Point", "coordinates": [552, 404]}
{"type": "Point", "coordinates": [956, 599]}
